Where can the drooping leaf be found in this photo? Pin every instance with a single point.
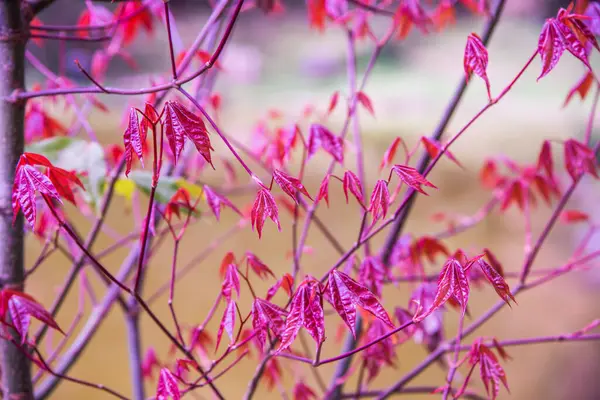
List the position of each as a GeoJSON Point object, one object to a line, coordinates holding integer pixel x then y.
{"type": "Point", "coordinates": [289, 184]}
{"type": "Point", "coordinates": [266, 315]}
{"type": "Point", "coordinates": [227, 322]}
{"type": "Point", "coordinates": [345, 294]}
{"type": "Point", "coordinates": [256, 265]}
{"type": "Point", "coordinates": [491, 372]}
{"type": "Point", "coordinates": [452, 283]}
{"type": "Point", "coordinates": [390, 153]}
{"type": "Point", "coordinates": [324, 190]}
{"type": "Point", "coordinates": [496, 280]}
{"type": "Point", "coordinates": [303, 392]}
{"type": "Point", "coordinates": [476, 60]}
{"type": "Point", "coordinates": [582, 87]}
{"type": "Point", "coordinates": [545, 161]}
{"type": "Point", "coordinates": [306, 310]}
{"type": "Point", "coordinates": [181, 123]}
{"type": "Point", "coordinates": [215, 201]}
{"type": "Point", "coordinates": [167, 386]}
{"type": "Point", "coordinates": [21, 308]}
{"type": "Point", "coordinates": [381, 354]}
{"type": "Point", "coordinates": [231, 281]}
{"type": "Point", "coordinates": [28, 181]}
{"type": "Point", "coordinates": [132, 140]}
{"type": "Point", "coordinates": [352, 183]}
{"type": "Point", "coordinates": [412, 178]}
{"type": "Point", "coordinates": [380, 198]}
{"type": "Point", "coordinates": [365, 101]}
{"type": "Point", "coordinates": [319, 136]}
{"type": "Point", "coordinates": [579, 159]}
{"type": "Point", "coordinates": [264, 206]}
{"type": "Point", "coordinates": [434, 148]}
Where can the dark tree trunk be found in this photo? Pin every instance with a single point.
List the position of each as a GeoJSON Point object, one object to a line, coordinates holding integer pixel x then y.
{"type": "Point", "coordinates": [14, 364]}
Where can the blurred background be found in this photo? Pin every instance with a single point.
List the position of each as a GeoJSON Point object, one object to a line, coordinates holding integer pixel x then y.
{"type": "Point", "coordinates": [277, 62]}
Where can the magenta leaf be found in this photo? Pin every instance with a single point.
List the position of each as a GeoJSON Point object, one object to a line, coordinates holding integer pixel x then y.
{"type": "Point", "coordinates": [322, 137]}
{"type": "Point", "coordinates": [494, 276]}
{"type": "Point", "coordinates": [304, 392]}
{"type": "Point", "coordinates": [345, 294]}
{"type": "Point", "coordinates": [476, 60]}
{"type": "Point", "coordinates": [215, 201]}
{"type": "Point", "coordinates": [21, 308]}
{"type": "Point", "coordinates": [352, 183]}
{"type": "Point", "coordinates": [366, 102]}
{"type": "Point", "coordinates": [227, 322]}
{"type": "Point", "coordinates": [264, 206]}
{"type": "Point", "coordinates": [27, 181]}
{"type": "Point", "coordinates": [306, 310]}
{"type": "Point", "coordinates": [289, 184]}
{"type": "Point", "coordinates": [412, 178]}
{"type": "Point", "coordinates": [452, 283]}
{"type": "Point", "coordinates": [167, 386]}
{"type": "Point", "coordinates": [132, 140]}
{"type": "Point", "coordinates": [265, 316]}
{"type": "Point", "coordinates": [380, 198]}
{"type": "Point", "coordinates": [324, 190]}
{"type": "Point", "coordinates": [579, 159]}
{"type": "Point", "coordinates": [230, 282]}
{"type": "Point", "coordinates": [256, 265]}
{"type": "Point", "coordinates": [181, 123]}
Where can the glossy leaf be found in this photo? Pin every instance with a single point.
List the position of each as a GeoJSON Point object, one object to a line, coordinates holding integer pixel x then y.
{"type": "Point", "coordinates": [181, 123]}
{"type": "Point", "coordinates": [231, 282]}
{"type": "Point", "coordinates": [266, 315]}
{"type": "Point", "coordinates": [452, 283]}
{"type": "Point", "coordinates": [167, 386]}
{"type": "Point", "coordinates": [132, 140]}
{"type": "Point", "coordinates": [306, 310]}
{"type": "Point", "coordinates": [380, 199]}
{"type": "Point", "coordinates": [289, 184]}
{"type": "Point", "coordinates": [22, 308]}
{"type": "Point", "coordinates": [412, 178]}
{"type": "Point", "coordinates": [28, 181]}
{"type": "Point", "coordinates": [264, 206]}
{"type": "Point", "coordinates": [352, 183]}
{"type": "Point", "coordinates": [494, 276]}
{"type": "Point", "coordinates": [345, 294]}
{"type": "Point", "coordinates": [227, 322]}
{"type": "Point", "coordinates": [476, 60]}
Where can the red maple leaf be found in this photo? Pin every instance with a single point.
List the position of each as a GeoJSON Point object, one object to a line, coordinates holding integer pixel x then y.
{"type": "Point", "coordinates": [390, 153]}
{"type": "Point", "coordinates": [579, 159]}
{"type": "Point", "coordinates": [28, 181]}
{"type": "Point", "coordinates": [231, 281]}
{"type": "Point", "coordinates": [352, 183]}
{"type": "Point", "coordinates": [181, 123]}
{"type": "Point", "coordinates": [320, 136]}
{"type": "Point", "coordinates": [167, 386]}
{"type": "Point", "coordinates": [215, 201]}
{"type": "Point", "coordinates": [135, 16]}
{"type": "Point", "coordinates": [380, 198]}
{"type": "Point", "coordinates": [582, 87]}
{"type": "Point", "coordinates": [412, 177]}
{"type": "Point", "coordinates": [289, 184]}
{"type": "Point", "coordinates": [264, 206]}
{"type": "Point", "coordinates": [257, 266]}
{"type": "Point", "coordinates": [476, 60]}
{"type": "Point", "coordinates": [411, 13]}
{"type": "Point", "coordinates": [345, 294]}
{"type": "Point", "coordinates": [133, 140]}
{"type": "Point", "coordinates": [266, 316]}
{"type": "Point", "coordinates": [492, 373]}
{"type": "Point", "coordinates": [306, 310]}
{"type": "Point", "coordinates": [324, 190]}
{"type": "Point", "coordinates": [227, 322]}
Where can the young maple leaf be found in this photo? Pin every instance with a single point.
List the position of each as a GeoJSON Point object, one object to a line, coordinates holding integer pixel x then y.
{"type": "Point", "coordinates": [333, 102]}
{"type": "Point", "coordinates": [582, 87]}
{"type": "Point", "coordinates": [412, 177]}
{"type": "Point", "coordinates": [286, 282]}
{"type": "Point", "coordinates": [366, 102]}
{"type": "Point", "coordinates": [289, 184]}
{"type": "Point", "coordinates": [430, 330]}
{"type": "Point", "coordinates": [132, 140]}
{"type": "Point", "coordinates": [452, 283]}
{"type": "Point", "coordinates": [490, 370]}
{"type": "Point", "coordinates": [545, 162]}
{"type": "Point", "coordinates": [371, 273]}
{"type": "Point", "coordinates": [230, 281]}
{"type": "Point", "coordinates": [319, 136]}
{"type": "Point", "coordinates": [21, 307]}
{"type": "Point", "coordinates": [306, 310]}
{"type": "Point", "coordinates": [264, 206]}
{"type": "Point", "coordinates": [149, 363]}
{"type": "Point", "coordinates": [167, 386]}
{"type": "Point", "coordinates": [215, 201]}
{"type": "Point", "coordinates": [352, 183]}
{"type": "Point", "coordinates": [411, 13]}
{"type": "Point", "coordinates": [63, 180]}
{"type": "Point", "coordinates": [92, 16]}
{"type": "Point", "coordinates": [429, 247]}
{"type": "Point", "coordinates": [390, 153]}
{"type": "Point", "coordinates": [496, 279]}
{"type": "Point", "coordinates": [28, 181]}
{"type": "Point", "coordinates": [256, 265]}
{"type": "Point", "coordinates": [180, 199]}
{"type": "Point", "coordinates": [476, 60]}
{"type": "Point", "coordinates": [345, 294]}
{"type": "Point", "coordinates": [266, 316]}
{"type": "Point", "coordinates": [134, 16]}
{"type": "Point", "coordinates": [303, 392]}
{"type": "Point", "coordinates": [565, 32]}
{"type": "Point", "coordinates": [380, 354]}
{"type": "Point", "coordinates": [181, 123]}
{"type": "Point", "coordinates": [324, 190]}
{"type": "Point", "coordinates": [433, 148]}
{"type": "Point", "coordinates": [39, 124]}
{"type": "Point", "coordinates": [573, 216]}
{"type": "Point", "coordinates": [227, 322]}
{"type": "Point", "coordinates": [579, 159]}
{"type": "Point", "coordinates": [380, 199]}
